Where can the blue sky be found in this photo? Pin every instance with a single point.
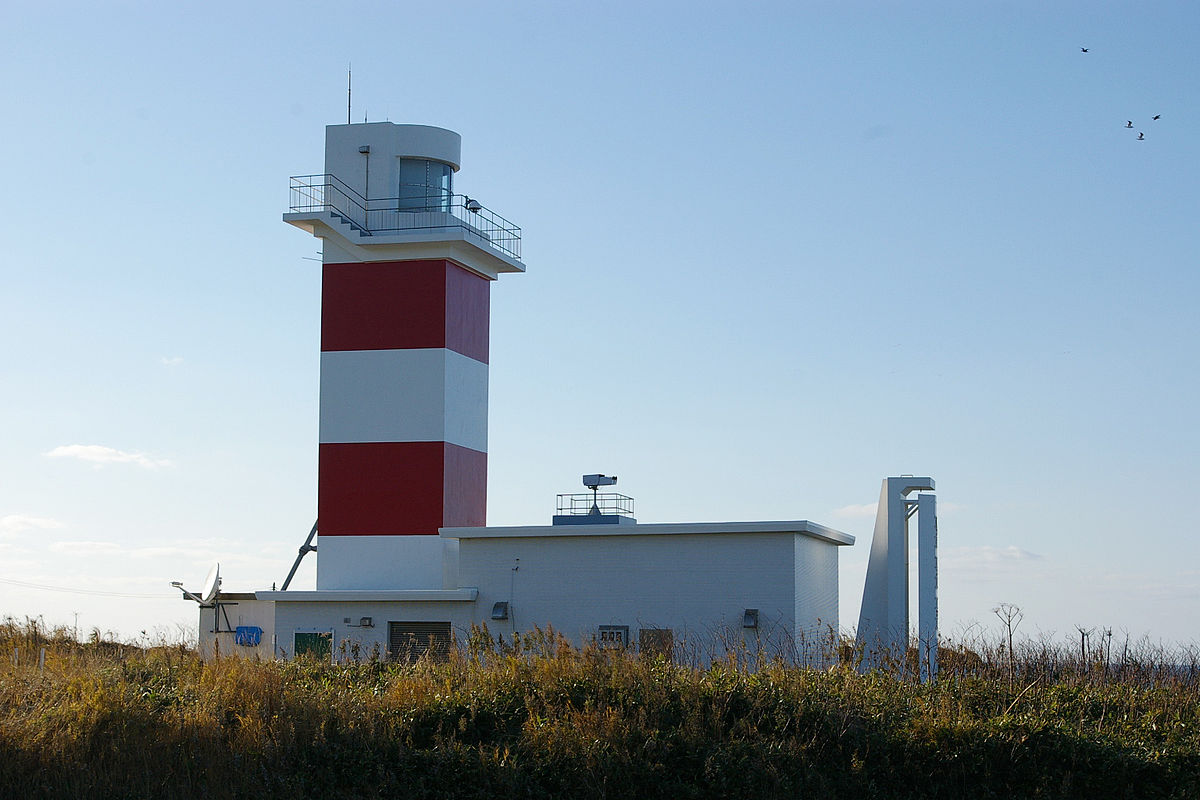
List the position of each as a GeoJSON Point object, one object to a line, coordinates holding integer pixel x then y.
{"type": "Point", "coordinates": [776, 252]}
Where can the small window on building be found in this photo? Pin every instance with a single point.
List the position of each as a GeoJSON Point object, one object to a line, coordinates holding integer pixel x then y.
{"type": "Point", "coordinates": [656, 641]}
{"type": "Point", "coordinates": [613, 636]}
{"type": "Point", "coordinates": [409, 641]}
{"type": "Point", "coordinates": [313, 644]}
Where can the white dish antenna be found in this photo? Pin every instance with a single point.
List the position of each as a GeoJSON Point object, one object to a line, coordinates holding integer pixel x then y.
{"type": "Point", "coordinates": [212, 584]}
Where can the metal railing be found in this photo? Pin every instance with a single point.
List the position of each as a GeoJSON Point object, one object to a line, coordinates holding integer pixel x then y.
{"type": "Point", "coordinates": [321, 193]}
{"type": "Point", "coordinates": [599, 503]}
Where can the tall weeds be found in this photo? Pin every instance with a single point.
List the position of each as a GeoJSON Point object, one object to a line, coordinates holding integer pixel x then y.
{"type": "Point", "coordinates": [536, 717]}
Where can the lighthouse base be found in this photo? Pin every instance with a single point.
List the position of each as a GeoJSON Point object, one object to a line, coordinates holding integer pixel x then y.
{"type": "Point", "coordinates": [385, 562]}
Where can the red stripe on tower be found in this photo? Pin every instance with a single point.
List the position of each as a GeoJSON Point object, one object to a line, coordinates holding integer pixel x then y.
{"type": "Point", "coordinates": [382, 305]}
{"type": "Point", "coordinates": [381, 488]}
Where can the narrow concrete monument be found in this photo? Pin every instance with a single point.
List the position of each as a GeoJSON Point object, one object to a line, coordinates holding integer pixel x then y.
{"type": "Point", "coordinates": [883, 623]}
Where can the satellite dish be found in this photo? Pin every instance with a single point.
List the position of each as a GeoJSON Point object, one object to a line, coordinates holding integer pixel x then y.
{"type": "Point", "coordinates": [212, 584]}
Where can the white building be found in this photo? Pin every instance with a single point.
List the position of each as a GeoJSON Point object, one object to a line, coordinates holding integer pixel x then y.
{"type": "Point", "coordinates": [405, 560]}
{"type": "Point", "coordinates": [702, 587]}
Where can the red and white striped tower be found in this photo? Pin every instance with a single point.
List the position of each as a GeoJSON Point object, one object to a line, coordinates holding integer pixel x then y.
{"type": "Point", "coordinates": [407, 267]}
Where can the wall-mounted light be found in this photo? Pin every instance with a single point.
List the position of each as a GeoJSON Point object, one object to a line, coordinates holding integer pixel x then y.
{"type": "Point", "coordinates": [750, 618]}
{"type": "Point", "coordinates": [474, 206]}
{"type": "Point", "coordinates": [500, 610]}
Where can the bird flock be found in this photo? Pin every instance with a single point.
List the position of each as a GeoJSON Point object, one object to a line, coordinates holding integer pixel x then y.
{"type": "Point", "coordinates": [1141, 137]}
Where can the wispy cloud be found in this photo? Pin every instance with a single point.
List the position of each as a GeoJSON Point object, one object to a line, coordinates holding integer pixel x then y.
{"type": "Point", "coordinates": [863, 510]}
{"type": "Point", "coordinates": [18, 566]}
{"type": "Point", "coordinates": [854, 511]}
{"type": "Point", "coordinates": [270, 557]}
{"type": "Point", "coordinates": [969, 568]}
{"type": "Point", "coordinates": [171, 361]}
{"type": "Point", "coordinates": [1163, 586]}
{"type": "Point", "coordinates": [14, 524]}
{"type": "Point", "coordinates": [85, 548]}
{"type": "Point", "coordinates": [987, 559]}
{"type": "Point", "coordinates": [173, 551]}
{"type": "Point", "coordinates": [229, 555]}
{"type": "Point", "coordinates": [99, 454]}
{"type": "Point", "coordinates": [9, 549]}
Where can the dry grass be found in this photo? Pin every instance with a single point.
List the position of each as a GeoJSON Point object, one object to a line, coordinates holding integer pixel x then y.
{"type": "Point", "coordinates": [539, 718]}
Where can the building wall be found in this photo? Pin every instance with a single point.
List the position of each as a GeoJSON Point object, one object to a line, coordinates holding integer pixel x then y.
{"type": "Point", "coordinates": [816, 598]}
{"type": "Point", "coordinates": [384, 562]}
{"type": "Point", "coordinates": [240, 609]}
{"type": "Point", "coordinates": [696, 585]}
{"type": "Point", "coordinates": [351, 642]}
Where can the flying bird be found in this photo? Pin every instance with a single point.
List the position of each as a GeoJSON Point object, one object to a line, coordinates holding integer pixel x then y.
{"type": "Point", "coordinates": [1083, 49]}
{"type": "Point", "coordinates": [1158, 116]}
{"type": "Point", "coordinates": [1141, 136]}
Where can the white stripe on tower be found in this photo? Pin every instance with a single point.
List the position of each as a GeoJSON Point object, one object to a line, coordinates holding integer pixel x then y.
{"type": "Point", "coordinates": [418, 395]}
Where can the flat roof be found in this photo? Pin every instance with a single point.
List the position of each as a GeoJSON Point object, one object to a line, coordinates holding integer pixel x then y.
{"type": "Point", "coordinates": [801, 526]}
{"type": "Point", "coordinates": [467, 595]}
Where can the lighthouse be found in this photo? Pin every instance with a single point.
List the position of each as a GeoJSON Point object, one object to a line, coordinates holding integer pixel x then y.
{"type": "Point", "coordinates": [407, 564]}
{"type": "Point", "coordinates": [407, 266]}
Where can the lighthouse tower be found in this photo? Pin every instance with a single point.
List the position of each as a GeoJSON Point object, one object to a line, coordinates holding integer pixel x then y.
{"type": "Point", "coordinates": [406, 273]}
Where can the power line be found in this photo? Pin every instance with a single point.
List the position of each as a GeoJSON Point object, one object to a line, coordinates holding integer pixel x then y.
{"type": "Point", "coordinates": [93, 592]}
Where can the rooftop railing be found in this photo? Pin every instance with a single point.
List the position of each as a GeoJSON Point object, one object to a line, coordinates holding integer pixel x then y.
{"type": "Point", "coordinates": [599, 503]}
{"type": "Point", "coordinates": [432, 211]}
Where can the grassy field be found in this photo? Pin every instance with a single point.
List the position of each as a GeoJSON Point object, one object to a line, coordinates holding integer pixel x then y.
{"type": "Point", "coordinates": [543, 719]}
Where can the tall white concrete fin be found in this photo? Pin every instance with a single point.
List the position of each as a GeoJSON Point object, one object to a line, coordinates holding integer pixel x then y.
{"type": "Point", "coordinates": [873, 616]}
{"type": "Point", "coordinates": [883, 623]}
{"type": "Point", "coordinates": [927, 601]}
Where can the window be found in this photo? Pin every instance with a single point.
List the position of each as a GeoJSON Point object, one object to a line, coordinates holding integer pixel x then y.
{"type": "Point", "coordinates": [409, 641]}
{"type": "Point", "coordinates": [425, 185]}
{"type": "Point", "coordinates": [613, 636]}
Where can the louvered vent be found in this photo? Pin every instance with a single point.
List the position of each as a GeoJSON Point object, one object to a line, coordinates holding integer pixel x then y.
{"type": "Point", "coordinates": [409, 641]}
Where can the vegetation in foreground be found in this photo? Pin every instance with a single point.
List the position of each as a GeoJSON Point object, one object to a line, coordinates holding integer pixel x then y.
{"type": "Point", "coordinates": [538, 718]}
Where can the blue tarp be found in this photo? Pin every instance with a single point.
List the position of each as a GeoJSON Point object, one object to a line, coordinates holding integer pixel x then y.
{"type": "Point", "coordinates": [247, 635]}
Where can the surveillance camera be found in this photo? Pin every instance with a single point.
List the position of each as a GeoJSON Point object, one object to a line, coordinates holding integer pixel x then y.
{"type": "Point", "coordinates": [595, 481]}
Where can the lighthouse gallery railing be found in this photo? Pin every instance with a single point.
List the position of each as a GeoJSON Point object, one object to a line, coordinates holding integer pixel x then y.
{"type": "Point", "coordinates": [327, 193]}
